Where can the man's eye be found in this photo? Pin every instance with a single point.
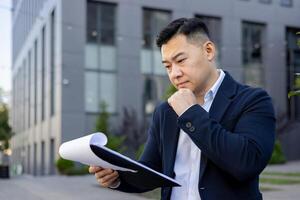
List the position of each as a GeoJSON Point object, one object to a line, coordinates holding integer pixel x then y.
{"type": "Point", "coordinates": [167, 66]}
{"type": "Point", "coordinates": [181, 60]}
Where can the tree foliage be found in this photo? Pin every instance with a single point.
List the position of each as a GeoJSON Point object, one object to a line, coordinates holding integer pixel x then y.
{"type": "Point", "coordinates": [5, 129]}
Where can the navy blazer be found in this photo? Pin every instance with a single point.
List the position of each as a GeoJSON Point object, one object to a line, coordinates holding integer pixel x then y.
{"type": "Point", "coordinates": [236, 140]}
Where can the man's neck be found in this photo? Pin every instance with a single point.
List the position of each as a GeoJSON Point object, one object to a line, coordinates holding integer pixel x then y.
{"type": "Point", "coordinates": [209, 83]}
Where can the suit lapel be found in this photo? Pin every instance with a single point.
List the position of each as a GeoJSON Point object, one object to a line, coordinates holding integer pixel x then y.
{"type": "Point", "coordinates": [171, 135]}
{"type": "Point", "coordinates": [220, 104]}
{"type": "Point", "coordinates": [171, 140]}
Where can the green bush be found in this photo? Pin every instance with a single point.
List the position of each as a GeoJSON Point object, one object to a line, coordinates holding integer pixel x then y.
{"type": "Point", "coordinates": [64, 165]}
{"type": "Point", "coordinates": [115, 142]}
{"type": "Point", "coordinates": [169, 92]}
{"type": "Point", "coordinates": [277, 155]}
{"type": "Point", "coordinates": [139, 151]}
{"type": "Point", "coordinates": [5, 129]}
{"type": "Point", "coordinates": [67, 167]}
{"type": "Point", "coordinates": [77, 171]}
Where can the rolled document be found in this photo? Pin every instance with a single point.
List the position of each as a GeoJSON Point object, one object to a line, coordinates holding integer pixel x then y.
{"type": "Point", "coordinates": [79, 150]}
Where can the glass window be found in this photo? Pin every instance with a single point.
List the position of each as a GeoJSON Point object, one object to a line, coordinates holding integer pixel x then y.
{"type": "Point", "coordinates": [52, 62]}
{"type": "Point", "coordinates": [252, 47]}
{"type": "Point", "coordinates": [265, 1]}
{"type": "Point", "coordinates": [91, 92]}
{"type": "Point", "coordinates": [159, 69]}
{"type": "Point", "coordinates": [34, 159]}
{"type": "Point", "coordinates": [154, 90]}
{"type": "Point", "coordinates": [101, 23]}
{"type": "Point", "coordinates": [29, 88]}
{"type": "Point", "coordinates": [106, 12]}
{"type": "Point", "coordinates": [100, 56]}
{"type": "Point", "coordinates": [108, 90]}
{"type": "Point", "coordinates": [155, 76]}
{"type": "Point", "coordinates": [92, 22]}
{"type": "Point", "coordinates": [293, 71]}
{"type": "Point", "coordinates": [107, 57]}
{"type": "Point", "coordinates": [52, 156]}
{"type": "Point", "coordinates": [100, 87]}
{"type": "Point", "coordinates": [286, 3]}
{"type": "Point", "coordinates": [153, 22]}
{"type": "Point", "coordinates": [91, 56]}
{"type": "Point", "coordinates": [28, 159]}
{"type": "Point", "coordinates": [146, 61]}
{"type": "Point", "coordinates": [42, 169]}
{"type": "Point", "coordinates": [43, 74]}
{"type": "Point", "coordinates": [35, 79]}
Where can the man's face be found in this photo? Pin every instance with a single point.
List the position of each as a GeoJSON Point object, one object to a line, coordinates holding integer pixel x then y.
{"type": "Point", "coordinates": [188, 65]}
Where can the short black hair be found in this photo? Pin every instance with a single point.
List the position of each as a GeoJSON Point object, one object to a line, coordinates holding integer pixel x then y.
{"type": "Point", "coordinates": [185, 26]}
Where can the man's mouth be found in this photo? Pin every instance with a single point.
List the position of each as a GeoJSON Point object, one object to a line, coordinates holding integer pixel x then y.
{"type": "Point", "coordinates": [182, 84]}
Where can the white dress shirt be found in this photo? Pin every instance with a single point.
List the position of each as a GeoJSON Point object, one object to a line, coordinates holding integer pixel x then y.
{"type": "Point", "coordinates": [187, 161]}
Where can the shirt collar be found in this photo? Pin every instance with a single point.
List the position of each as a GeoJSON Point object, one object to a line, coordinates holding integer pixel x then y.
{"type": "Point", "coordinates": [211, 93]}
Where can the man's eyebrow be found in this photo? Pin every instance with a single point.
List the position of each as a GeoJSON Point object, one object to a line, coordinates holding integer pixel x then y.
{"type": "Point", "coordinates": [174, 57]}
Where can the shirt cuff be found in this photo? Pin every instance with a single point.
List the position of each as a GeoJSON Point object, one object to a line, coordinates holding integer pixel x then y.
{"type": "Point", "coordinates": [185, 110]}
{"type": "Point", "coordinates": [116, 185]}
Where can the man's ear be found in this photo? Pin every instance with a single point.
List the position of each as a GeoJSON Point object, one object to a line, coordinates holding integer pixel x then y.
{"type": "Point", "coordinates": [210, 50]}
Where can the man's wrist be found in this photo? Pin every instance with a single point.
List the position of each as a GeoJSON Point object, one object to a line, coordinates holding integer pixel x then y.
{"type": "Point", "coordinates": [115, 184]}
{"type": "Point", "coordinates": [185, 110]}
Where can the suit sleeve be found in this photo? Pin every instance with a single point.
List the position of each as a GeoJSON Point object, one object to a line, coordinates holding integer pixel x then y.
{"type": "Point", "coordinates": [244, 152]}
{"type": "Point", "coordinates": [151, 156]}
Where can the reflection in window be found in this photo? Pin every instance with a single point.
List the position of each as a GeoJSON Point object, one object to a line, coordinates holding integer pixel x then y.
{"type": "Point", "coordinates": [286, 3]}
{"type": "Point", "coordinates": [91, 94]}
{"type": "Point", "coordinates": [252, 47]}
{"type": "Point", "coordinates": [100, 56]}
{"type": "Point", "coordinates": [100, 23]}
{"type": "Point", "coordinates": [293, 71]}
{"type": "Point", "coordinates": [107, 91]}
{"type": "Point", "coordinates": [154, 21]}
{"type": "Point", "coordinates": [155, 76]}
{"type": "Point", "coordinates": [100, 87]}
{"type": "Point", "coordinates": [154, 90]}
{"type": "Point", "coordinates": [265, 1]}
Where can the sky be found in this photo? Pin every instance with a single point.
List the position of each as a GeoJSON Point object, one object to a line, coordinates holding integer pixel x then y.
{"type": "Point", "coordinates": [5, 45]}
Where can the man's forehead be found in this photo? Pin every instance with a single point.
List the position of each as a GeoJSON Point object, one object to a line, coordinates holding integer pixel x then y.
{"type": "Point", "coordinates": [170, 53]}
{"type": "Point", "coordinates": [173, 55]}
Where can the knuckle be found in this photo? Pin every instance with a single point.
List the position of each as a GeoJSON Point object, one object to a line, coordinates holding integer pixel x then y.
{"type": "Point", "coordinates": [90, 170]}
{"type": "Point", "coordinates": [98, 174]}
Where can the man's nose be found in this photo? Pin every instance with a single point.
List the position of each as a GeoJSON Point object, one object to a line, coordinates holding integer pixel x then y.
{"type": "Point", "coordinates": [176, 72]}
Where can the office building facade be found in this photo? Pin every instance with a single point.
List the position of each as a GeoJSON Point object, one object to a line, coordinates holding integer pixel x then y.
{"type": "Point", "coordinates": [71, 55]}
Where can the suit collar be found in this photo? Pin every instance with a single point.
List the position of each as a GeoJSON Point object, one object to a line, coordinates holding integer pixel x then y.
{"type": "Point", "coordinates": [223, 97]}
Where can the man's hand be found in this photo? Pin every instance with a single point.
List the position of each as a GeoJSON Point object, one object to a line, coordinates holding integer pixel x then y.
{"type": "Point", "coordinates": [105, 177]}
{"type": "Point", "coordinates": [182, 100]}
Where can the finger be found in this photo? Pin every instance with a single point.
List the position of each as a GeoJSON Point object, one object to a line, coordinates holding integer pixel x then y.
{"type": "Point", "coordinates": [103, 173]}
{"type": "Point", "coordinates": [94, 169]}
{"type": "Point", "coordinates": [110, 182]}
{"type": "Point", "coordinates": [109, 176]}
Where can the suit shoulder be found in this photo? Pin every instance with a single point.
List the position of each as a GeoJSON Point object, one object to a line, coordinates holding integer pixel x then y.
{"type": "Point", "coordinates": [252, 92]}
{"type": "Point", "coordinates": [255, 99]}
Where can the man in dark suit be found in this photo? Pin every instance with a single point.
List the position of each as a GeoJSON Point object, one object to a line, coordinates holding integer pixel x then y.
{"type": "Point", "coordinates": [214, 135]}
